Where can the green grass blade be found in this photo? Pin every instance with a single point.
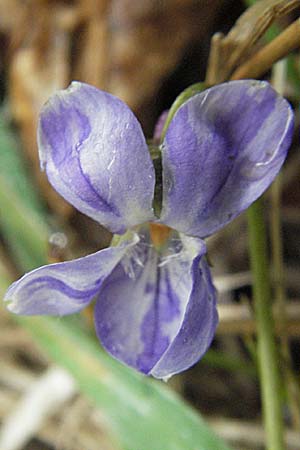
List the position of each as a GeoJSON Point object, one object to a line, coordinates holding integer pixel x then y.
{"type": "Point", "coordinates": [21, 212]}
{"type": "Point", "coordinates": [144, 414]}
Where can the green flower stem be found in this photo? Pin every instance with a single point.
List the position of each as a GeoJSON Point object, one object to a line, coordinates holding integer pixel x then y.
{"type": "Point", "coordinates": [266, 344]}
{"type": "Point", "coordinates": [291, 383]}
{"type": "Point", "coordinates": [185, 95]}
{"type": "Point", "coordinates": [279, 81]}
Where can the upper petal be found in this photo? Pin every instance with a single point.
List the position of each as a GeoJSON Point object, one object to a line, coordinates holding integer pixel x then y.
{"type": "Point", "coordinates": [96, 156]}
{"type": "Point", "coordinates": [222, 149]}
{"type": "Point", "coordinates": [147, 302]}
{"type": "Point", "coordinates": [67, 287]}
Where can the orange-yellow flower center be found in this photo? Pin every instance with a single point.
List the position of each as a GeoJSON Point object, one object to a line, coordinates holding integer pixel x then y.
{"type": "Point", "coordinates": [159, 234]}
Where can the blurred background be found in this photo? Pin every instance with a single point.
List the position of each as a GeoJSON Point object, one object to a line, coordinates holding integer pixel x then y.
{"type": "Point", "coordinates": [145, 52]}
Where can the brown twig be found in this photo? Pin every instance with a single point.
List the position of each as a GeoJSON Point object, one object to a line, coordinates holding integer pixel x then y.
{"type": "Point", "coordinates": [234, 48]}
{"type": "Point", "coordinates": [237, 319]}
{"type": "Point", "coordinates": [252, 25]}
{"type": "Point", "coordinates": [277, 49]}
{"type": "Point", "coordinates": [247, 433]}
{"type": "Point", "coordinates": [215, 58]}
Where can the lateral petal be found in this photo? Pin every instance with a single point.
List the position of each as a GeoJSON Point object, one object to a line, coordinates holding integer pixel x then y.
{"type": "Point", "coordinates": [67, 287]}
{"type": "Point", "coordinates": [96, 156]}
{"type": "Point", "coordinates": [222, 149]}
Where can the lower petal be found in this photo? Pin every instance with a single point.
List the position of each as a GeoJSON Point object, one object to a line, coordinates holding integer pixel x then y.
{"type": "Point", "coordinates": [67, 287]}
{"type": "Point", "coordinates": [197, 328]}
{"type": "Point", "coordinates": [145, 306]}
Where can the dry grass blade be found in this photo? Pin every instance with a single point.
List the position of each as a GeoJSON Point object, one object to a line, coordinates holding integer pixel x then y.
{"type": "Point", "coordinates": [277, 49]}
{"type": "Point", "coordinates": [246, 433]}
{"type": "Point", "coordinates": [256, 20]}
{"type": "Point", "coordinates": [43, 397]}
{"type": "Point", "coordinates": [238, 44]}
{"type": "Point", "coordinates": [237, 319]}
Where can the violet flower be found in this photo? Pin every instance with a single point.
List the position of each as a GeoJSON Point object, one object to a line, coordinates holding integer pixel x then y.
{"type": "Point", "coordinates": [155, 302]}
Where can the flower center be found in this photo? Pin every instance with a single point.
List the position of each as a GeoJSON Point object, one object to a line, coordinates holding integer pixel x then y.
{"type": "Point", "coordinates": [159, 234]}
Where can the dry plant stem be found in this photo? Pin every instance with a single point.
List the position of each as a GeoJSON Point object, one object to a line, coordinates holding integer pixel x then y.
{"type": "Point", "coordinates": [237, 320]}
{"type": "Point", "coordinates": [215, 58]}
{"type": "Point", "coordinates": [243, 433]}
{"type": "Point", "coordinates": [254, 23]}
{"type": "Point", "coordinates": [238, 44]}
{"type": "Point", "coordinates": [266, 345]}
{"type": "Point", "coordinates": [277, 49]}
{"type": "Point", "coordinates": [44, 397]}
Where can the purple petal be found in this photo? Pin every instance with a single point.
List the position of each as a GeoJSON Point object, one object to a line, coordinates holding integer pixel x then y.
{"type": "Point", "coordinates": [159, 126]}
{"type": "Point", "coordinates": [147, 303]}
{"type": "Point", "coordinates": [222, 149]}
{"type": "Point", "coordinates": [197, 328]}
{"type": "Point", "coordinates": [67, 287]}
{"type": "Point", "coordinates": [96, 156]}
